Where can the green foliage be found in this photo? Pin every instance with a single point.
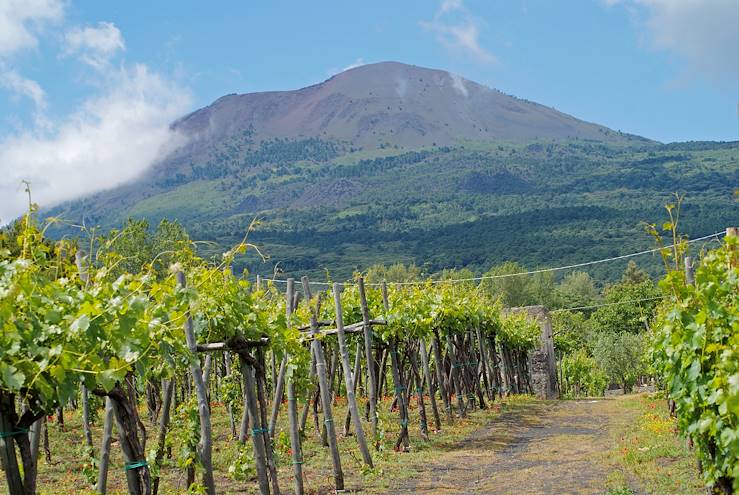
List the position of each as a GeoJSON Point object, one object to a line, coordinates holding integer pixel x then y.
{"type": "Point", "coordinates": [622, 315]}
{"type": "Point", "coordinates": [397, 272]}
{"type": "Point", "coordinates": [324, 205]}
{"type": "Point", "coordinates": [696, 348]}
{"type": "Point", "coordinates": [243, 466]}
{"type": "Point", "coordinates": [518, 331]}
{"type": "Point", "coordinates": [572, 331]}
{"type": "Point", "coordinates": [620, 356]}
{"type": "Point", "coordinates": [185, 432]}
{"type": "Point", "coordinates": [582, 377]}
{"type": "Point", "coordinates": [577, 289]}
{"type": "Point", "coordinates": [633, 274]}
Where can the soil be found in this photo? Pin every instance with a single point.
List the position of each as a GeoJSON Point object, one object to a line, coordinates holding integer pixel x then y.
{"type": "Point", "coordinates": [538, 448]}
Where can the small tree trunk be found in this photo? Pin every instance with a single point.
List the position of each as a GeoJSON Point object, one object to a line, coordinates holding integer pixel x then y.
{"type": "Point", "coordinates": [443, 389]}
{"type": "Point", "coordinates": [86, 416]}
{"type": "Point", "coordinates": [260, 454]}
{"type": "Point", "coordinates": [400, 395]}
{"type": "Point", "coordinates": [455, 376]}
{"type": "Point", "coordinates": [427, 376]}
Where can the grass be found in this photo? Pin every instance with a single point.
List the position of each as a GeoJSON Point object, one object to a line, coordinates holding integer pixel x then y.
{"type": "Point", "coordinates": [629, 444]}
{"type": "Point", "coordinates": [649, 451]}
{"type": "Point", "coordinates": [66, 473]}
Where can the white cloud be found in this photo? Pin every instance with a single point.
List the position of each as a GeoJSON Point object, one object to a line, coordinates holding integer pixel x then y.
{"type": "Point", "coordinates": [112, 138]}
{"type": "Point", "coordinates": [458, 84]}
{"type": "Point", "coordinates": [457, 29]}
{"type": "Point", "coordinates": [20, 19]}
{"type": "Point", "coordinates": [95, 45]}
{"type": "Point", "coordinates": [19, 85]}
{"type": "Point", "coordinates": [449, 5]}
{"type": "Point", "coordinates": [358, 62]}
{"type": "Point", "coordinates": [703, 32]}
{"type": "Point", "coordinates": [117, 132]}
{"type": "Point", "coordinates": [20, 22]}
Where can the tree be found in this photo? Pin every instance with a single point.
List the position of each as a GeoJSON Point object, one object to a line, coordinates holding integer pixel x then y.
{"type": "Point", "coordinates": [633, 274]}
{"type": "Point", "coordinates": [578, 289]}
{"type": "Point", "coordinates": [620, 356]}
{"type": "Point", "coordinates": [513, 291]}
{"type": "Point", "coordinates": [542, 289]}
{"type": "Point", "coordinates": [397, 272]}
{"type": "Point", "coordinates": [572, 331]}
{"type": "Point", "coordinates": [629, 307]}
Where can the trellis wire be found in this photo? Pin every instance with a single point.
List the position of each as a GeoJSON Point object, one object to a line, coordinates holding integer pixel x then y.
{"type": "Point", "coordinates": [531, 272]}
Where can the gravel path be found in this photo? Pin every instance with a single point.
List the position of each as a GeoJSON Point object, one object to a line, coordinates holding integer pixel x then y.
{"type": "Point", "coordinates": [539, 448]}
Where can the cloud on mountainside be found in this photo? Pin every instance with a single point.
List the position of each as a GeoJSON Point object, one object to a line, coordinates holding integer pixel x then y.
{"type": "Point", "coordinates": [117, 132]}
{"type": "Point", "coordinates": [705, 33]}
{"type": "Point", "coordinates": [458, 30]}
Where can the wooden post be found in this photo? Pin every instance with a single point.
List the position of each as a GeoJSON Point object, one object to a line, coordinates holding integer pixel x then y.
{"type": "Point", "coordinates": [205, 444]}
{"type": "Point", "coordinates": [349, 381]}
{"type": "Point", "coordinates": [105, 448]}
{"type": "Point", "coordinates": [487, 379]}
{"type": "Point", "coordinates": [86, 415]}
{"type": "Point", "coordinates": [279, 392]}
{"type": "Point", "coordinates": [261, 377]}
{"type": "Point", "coordinates": [36, 437]}
{"type": "Point", "coordinates": [260, 453]}
{"type": "Point", "coordinates": [372, 377]}
{"type": "Point", "coordinates": [325, 389]}
{"type": "Point", "coordinates": [163, 425]}
{"type": "Point", "coordinates": [689, 271]}
{"type": "Point", "coordinates": [244, 425]}
{"type": "Point", "coordinates": [292, 403]}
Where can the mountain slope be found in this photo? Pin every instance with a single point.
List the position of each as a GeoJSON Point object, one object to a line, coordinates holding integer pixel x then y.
{"type": "Point", "coordinates": [389, 103]}
{"type": "Point", "coordinates": [390, 162]}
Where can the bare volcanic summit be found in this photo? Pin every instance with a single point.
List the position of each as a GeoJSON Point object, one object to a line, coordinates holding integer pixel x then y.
{"type": "Point", "coordinates": [388, 103]}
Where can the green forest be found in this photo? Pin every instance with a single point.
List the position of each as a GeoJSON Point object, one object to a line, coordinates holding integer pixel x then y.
{"type": "Point", "coordinates": [327, 206]}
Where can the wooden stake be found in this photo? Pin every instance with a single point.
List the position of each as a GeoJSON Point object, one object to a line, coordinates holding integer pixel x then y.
{"type": "Point", "coordinates": [349, 382]}
{"type": "Point", "coordinates": [325, 390]}
{"type": "Point", "coordinates": [205, 445]}
{"type": "Point", "coordinates": [105, 448]}
{"type": "Point", "coordinates": [292, 404]}
{"type": "Point", "coordinates": [372, 382]}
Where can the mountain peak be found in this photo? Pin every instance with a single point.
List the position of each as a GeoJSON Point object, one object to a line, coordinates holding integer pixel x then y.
{"type": "Point", "coordinates": [389, 103]}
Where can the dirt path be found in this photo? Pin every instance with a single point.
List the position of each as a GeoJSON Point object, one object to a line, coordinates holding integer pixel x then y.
{"type": "Point", "coordinates": [538, 448]}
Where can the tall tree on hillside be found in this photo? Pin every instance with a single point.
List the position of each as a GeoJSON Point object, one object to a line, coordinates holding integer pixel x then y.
{"type": "Point", "coordinates": [578, 289]}
{"type": "Point", "coordinates": [633, 274]}
{"type": "Point", "coordinates": [512, 290]}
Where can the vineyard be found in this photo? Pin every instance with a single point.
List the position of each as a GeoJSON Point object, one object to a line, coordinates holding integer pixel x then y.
{"type": "Point", "coordinates": [156, 347]}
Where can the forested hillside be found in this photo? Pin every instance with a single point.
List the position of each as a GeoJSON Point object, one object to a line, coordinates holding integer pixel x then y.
{"type": "Point", "coordinates": [325, 205]}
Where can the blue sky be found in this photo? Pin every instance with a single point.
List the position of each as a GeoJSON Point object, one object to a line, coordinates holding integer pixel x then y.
{"type": "Point", "coordinates": [664, 69]}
